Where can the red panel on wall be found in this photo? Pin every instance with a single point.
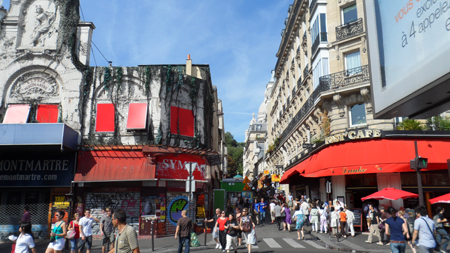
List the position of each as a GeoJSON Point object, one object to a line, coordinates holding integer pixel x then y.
{"type": "Point", "coordinates": [105, 118]}
{"type": "Point", "coordinates": [137, 116]}
{"type": "Point", "coordinates": [17, 114]}
{"type": "Point", "coordinates": [47, 114]}
{"type": "Point", "coordinates": [184, 118]}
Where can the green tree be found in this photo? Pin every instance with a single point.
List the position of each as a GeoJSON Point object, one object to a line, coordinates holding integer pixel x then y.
{"type": "Point", "coordinates": [410, 124]}
{"type": "Point", "coordinates": [235, 153]}
{"type": "Point", "coordinates": [441, 123]}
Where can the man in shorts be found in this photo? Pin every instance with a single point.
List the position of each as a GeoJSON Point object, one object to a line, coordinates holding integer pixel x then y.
{"type": "Point", "coordinates": [107, 229]}
{"type": "Point", "coordinates": [85, 224]}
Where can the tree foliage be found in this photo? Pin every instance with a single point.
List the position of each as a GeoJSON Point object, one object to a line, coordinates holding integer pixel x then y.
{"type": "Point", "coordinates": [410, 124]}
{"type": "Point", "coordinates": [235, 153]}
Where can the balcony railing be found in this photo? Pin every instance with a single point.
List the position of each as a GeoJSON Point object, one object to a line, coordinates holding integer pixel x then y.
{"type": "Point", "coordinates": [297, 55]}
{"type": "Point", "coordinates": [311, 6]}
{"type": "Point", "coordinates": [292, 64]}
{"type": "Point", "coordinates": [306, 71]}
{"type": "Point", "coordinates": [309, 103]}
{"type": "Point", "coordinates": [294, 91]}
{"type": "Point", "coordinates": [347, 77]}
{"type": "Point", "coordinates": [299, 82]}
{"type": "Point", "coordinates": [349, 30]}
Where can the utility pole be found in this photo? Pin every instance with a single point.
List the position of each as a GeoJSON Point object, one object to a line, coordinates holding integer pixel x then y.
{"type": "Point", "coordinates": [417, 164]}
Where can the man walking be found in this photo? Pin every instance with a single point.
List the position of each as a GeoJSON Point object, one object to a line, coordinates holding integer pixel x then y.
{"type": "Point", "coordinates": [425, 228]}
{"type": "Point", "coordinates": [350, 219]}
{"type": "Point", "coordinates": [107, 229]}
{"type": "Point", "coordinates": [262, 212]}
{"type": "Point", "coordinates": [85, 224]}
{"type": "Point", "coordinates": [375, 221]}
{"type": "Point", "coordinates": [184, 227]}
{"type": "Point", "coordinates": [26, 217]}
{"type": "Point", "coordinates": [277, 213]}
{"type": "Point", "coordinates": [127, 240]}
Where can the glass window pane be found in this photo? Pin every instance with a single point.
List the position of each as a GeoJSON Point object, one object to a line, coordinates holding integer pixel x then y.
{"type": "Point", "coordinates": [358, 113]}
{"type": "Point", "coordinates": [350, 14]}
{"type": "Point", "coordinates": [323, 27]}
{"type": "Point", "coordinates": [352, 60]}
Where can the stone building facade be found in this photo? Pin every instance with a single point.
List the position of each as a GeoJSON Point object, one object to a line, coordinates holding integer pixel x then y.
{"type": "Point", "coordinates": [321, 94]}
{"type": "Point", "coordinates": [99, 136]}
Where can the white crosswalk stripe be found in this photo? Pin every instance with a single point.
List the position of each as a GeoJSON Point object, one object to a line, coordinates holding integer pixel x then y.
{"type": "Point", "coordinates": [315, 245]}
{"type": "Point", "coordinates": [272, 243]}
{"type": "Point", "coordinates": [293, 243]}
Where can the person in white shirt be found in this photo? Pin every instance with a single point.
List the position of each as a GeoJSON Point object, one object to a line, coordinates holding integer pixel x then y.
{"type": "Point", "coordinates": [272, 216]}
{"type": "Point", "coordinates": [85, 224]}
{"type": "Point", "coordinates": [350, 219]}
{"type": "Point", "coordinates": [25, 240]}
{"type": "Point", "coordinates": [324, 220]}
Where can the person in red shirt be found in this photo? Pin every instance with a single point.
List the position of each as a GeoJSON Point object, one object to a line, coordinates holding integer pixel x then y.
{"type": "Point", "coordinates": [222, 232]}
{"type": "Point", "coordinates": [73, 225]}
{"type": "Point", "coordinates": [343, 221]}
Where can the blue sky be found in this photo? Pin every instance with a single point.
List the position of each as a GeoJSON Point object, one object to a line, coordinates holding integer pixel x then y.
{"type": "Point", "coordinates": [237, 38]}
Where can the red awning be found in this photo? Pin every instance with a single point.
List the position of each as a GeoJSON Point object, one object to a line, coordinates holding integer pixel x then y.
{"type": "Point", "coordinates": [113, 166]}
{"type": "Point", "coordinates": [373, 156]}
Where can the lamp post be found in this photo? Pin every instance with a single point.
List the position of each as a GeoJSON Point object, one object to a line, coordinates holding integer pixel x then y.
{"type": "Point", "coordinates": [417, 164]}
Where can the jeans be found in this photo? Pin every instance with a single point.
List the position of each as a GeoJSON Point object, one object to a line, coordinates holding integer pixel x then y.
{"type": "Point", "coordinates": [439, 238]}
{"type": "Point", "coordinates": [279, 220]}
{"type": "Point", "coordinates": [223, 238]}
{"type": "Point", "coordinates": [398, 247]}
{"type": "Point", "coordinates": [187, 243]}
{"type": "Point", "coordinates": [423, 249]}
{"type": "Point", "coordinates": [73, 244]}
{"type": "Point", "coordinates": [262, 217]}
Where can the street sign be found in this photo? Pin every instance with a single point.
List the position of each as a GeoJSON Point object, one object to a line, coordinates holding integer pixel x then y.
{"type": "Point", "coordinates": [328, 187]}
{"type": "Point", "coordinates": [192, 180]}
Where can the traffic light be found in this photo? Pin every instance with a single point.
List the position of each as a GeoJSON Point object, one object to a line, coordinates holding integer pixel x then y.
{"type": "Point", "coordinates": [421, 162]}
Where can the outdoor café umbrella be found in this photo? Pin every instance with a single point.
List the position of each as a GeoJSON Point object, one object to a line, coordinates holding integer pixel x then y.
{"type": "Point", "coordinates": [391, 194]}
{"type": "Point", "coordinates": [442, 199]}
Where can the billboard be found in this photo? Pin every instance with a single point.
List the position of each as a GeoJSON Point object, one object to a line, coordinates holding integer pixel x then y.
{"type": "Point", "coordinates": [409, 52]}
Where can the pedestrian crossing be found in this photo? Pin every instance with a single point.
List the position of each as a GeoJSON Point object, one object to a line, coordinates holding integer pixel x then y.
{"type": "Point", "coordinates": [283, 243]}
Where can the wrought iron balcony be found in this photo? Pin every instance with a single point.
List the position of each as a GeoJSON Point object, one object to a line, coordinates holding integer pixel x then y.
{"type": "Point", "coordinates": [347, 77]}
{"type": "Point", "coordinates": [292, 64]}
{"type": "Point", "coordinates": [297, 55]}
{"type": "Point", "coordinates": [309, 103]}
{"type": "Point", "coordinates": [294, 91]}
{"type": "Point", "coordinates": [299, 82]}
{"type": "Point", "coordinates": [306, 71]}
{"type": "Point", "coordinates": [311, 6]}
{"type": "Point", "coordinates": [349, 30]}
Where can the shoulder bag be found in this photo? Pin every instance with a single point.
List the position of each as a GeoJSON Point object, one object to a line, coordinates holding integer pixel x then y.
{"type": "Point", "coordinates": [71, 233]}
{"type": "Point", "coordinates": [438, 247]}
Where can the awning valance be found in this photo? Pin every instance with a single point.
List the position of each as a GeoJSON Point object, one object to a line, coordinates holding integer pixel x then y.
{"type": "Point", "coordinates": [372, 156]}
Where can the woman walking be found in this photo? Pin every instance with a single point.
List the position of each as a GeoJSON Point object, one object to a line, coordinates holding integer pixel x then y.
{"type": "Point", "coordinates": [247, 226]}
{"type": "Point", "coordinates": [222, 232]}
{"type": "Point", "coordinates": [239, 231]}
{"type": "Point", "coordinates": [58, 233]}
{"type": "Point", "coordinates": [324, 220]}
{"type": "Point", "coordinates": [287, 219]}
{"type": "Point", "coordinates": [404, 216]}
{"type": "Point", "coordinates": [334, 221]}
{"type": "Point", "coordinates": [231, 226]}
{"type": "Point", "coordinates": [25, 240]}
{"type": "Point", "coordinates": [315, 218]}
{"type": "Point", "coordinates": [299, 218]}
{"type": "Point", "coordinates": [397, 229]}
{"type": "Point", "coordinates": [256, 211]}
{"type": "Point", "coordinates": [73, 225]}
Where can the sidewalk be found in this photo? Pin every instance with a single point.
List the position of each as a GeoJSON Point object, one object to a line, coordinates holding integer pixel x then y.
{"type": "Point", "coordinates": [354, 244]}
{"type": "Point", "coordinates": [164, 245]}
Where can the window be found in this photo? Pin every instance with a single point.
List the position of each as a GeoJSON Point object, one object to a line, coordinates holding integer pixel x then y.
{"type": "Point", "coordinates": [137, 116]}
{"type": "Point", "coordinates": [104, 122]}
{"type": "Point", "coordinates": [353, 63]}
{"type": "Point", "coordinates": [357, 115]}
{"type": "Point", "coordinates": [17, 114]}
{"type": "Point", "coordinates": [47, 114]}
{"type": "Point", "coordinates": [181, 120]}
{"type": "Point", "coordinates": [349, 14]}
{"type": "Point", "coordinates": [321, 69]}
{"type": "Point", "coordinates": [319, 31]}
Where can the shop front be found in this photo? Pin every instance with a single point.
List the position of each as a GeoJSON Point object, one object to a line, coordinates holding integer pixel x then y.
{"type": "Point", "coordinates": [358, 168]}
{"type": "Point", "coordinates": [37, 165]}
{"type": "Point", "coordinates": [148, 184]}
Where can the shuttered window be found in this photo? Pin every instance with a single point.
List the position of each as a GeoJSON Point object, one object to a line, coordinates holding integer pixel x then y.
{"type": "Point", "coordinates": [105, 118]}
{"type": "Point", "coordinates": [47, 114]}
{"type": "Point", "coordinates": [17, 114]}
{"type": "Point", "coordinates": [182, 120]}
{"type": "Point", "coordinates": [137, 116]}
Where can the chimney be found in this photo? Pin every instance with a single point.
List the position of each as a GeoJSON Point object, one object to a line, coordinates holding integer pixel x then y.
{"type": "Point", "coordinates": [189, 66]}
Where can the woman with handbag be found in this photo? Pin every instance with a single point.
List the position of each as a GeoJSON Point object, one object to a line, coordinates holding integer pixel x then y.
{"type": "Point", "coordinates": [73, 235]}
{"type": "Point", "coordinates": [57, 235]}
{"type": "Point", "coordinates": [300, 220]}
{"type": "Point", "coordinates": [287, 218]}
{"type": "Point", "coordinates": [404, 216]}
{"type": "Point", "coordinates": [247, 226]}
{"type": "Point", "coordinates": [397, 230]}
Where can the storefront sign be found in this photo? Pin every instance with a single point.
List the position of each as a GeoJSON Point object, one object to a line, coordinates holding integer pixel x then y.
{"type": "Point", "coordinates": [266, 172]}
{"type": "Point", "coordinates": [359, 170]}
{"type": "Point", "coordinates": [24, 170]}
{"type": "Point", "coordinates": [353, 135]}
{"type": "Point", "coordinates": [174, 167]}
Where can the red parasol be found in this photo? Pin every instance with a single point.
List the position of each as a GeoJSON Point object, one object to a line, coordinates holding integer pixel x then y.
{"type": "Point", "coordinates": [442, 199]}
{"type": "Point", "coordinates": [391, 194]}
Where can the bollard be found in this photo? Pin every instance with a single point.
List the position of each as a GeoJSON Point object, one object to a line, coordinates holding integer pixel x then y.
{"type": "Point", "coordinates": [206, 231]}
{"type": "Point", "coordinates": [153, 235]}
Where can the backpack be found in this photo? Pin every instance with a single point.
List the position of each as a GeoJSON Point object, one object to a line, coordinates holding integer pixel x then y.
{"type": "Point", "coordinates": [246, 225]}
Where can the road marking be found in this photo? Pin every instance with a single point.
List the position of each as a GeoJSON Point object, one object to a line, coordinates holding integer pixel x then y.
{"type": "Point", "coordinates": [293, 243]}
{"type": "Point", "coordinates": [272, 243]}
{"type": "Point", "coordinates": [352, 245]}
{"type": "Point", "coordinates": [315, 245]}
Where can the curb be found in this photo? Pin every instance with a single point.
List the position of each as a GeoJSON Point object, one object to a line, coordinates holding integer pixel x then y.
{"type": "Point", "coordinates": [331, 245]}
